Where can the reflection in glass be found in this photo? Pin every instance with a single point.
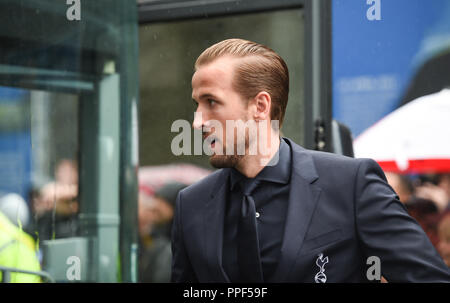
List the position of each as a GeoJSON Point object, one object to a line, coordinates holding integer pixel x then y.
{"type": "Point", "coordinates": [38, 152]}
{"type": "Point", "coordinates": [66, 93]}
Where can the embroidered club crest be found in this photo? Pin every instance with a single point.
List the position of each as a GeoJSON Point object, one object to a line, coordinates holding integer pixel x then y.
{"type": "Point", "coordinates": [320, 276]}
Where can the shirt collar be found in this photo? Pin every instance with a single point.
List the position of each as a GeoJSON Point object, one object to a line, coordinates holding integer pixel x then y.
{"type": "Point", "coordinates": [279, 173]}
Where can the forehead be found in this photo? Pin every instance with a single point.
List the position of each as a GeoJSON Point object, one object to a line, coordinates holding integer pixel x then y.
{"type": "Point", "coordinates": [215, 75]}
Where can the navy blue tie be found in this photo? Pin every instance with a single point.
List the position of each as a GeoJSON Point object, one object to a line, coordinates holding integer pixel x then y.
{"type": "Point", "coordinates": [249, 259]}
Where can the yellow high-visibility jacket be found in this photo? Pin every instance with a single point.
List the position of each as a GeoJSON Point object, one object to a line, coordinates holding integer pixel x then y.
{"type": "Point", "coordinates": [17, 250]}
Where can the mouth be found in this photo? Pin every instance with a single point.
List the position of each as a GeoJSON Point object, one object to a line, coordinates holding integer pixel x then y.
{"type": "Point", "coordinates": [211, 140]}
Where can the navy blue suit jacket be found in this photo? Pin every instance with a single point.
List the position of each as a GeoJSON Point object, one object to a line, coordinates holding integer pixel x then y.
{"type": "Point", "coordinates": [339, 207]}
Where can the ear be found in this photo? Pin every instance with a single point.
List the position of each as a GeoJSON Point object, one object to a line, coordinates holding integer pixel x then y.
{"type": "Point", "coordinates": [263, 104]}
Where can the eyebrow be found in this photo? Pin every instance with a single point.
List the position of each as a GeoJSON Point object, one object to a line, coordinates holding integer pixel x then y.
{"type": "Point", "coordinates": [206, 96]}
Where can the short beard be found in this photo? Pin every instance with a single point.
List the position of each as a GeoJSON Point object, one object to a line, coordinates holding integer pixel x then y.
{"type": "Point", "coordinates": [225, 161]}
{"type": "Point", "coordinates": [229, 161]}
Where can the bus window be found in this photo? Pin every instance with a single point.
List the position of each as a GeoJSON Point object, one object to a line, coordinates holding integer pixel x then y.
{"type": "Point", "coordinates": [68, 86]}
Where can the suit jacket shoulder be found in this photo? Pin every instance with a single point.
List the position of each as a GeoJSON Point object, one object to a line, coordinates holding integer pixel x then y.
{"type": "Point", "coordinates": [200, 191]}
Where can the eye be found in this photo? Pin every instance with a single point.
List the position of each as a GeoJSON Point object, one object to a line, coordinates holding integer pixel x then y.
{"type": "Point", "coordinates": [211, 102]}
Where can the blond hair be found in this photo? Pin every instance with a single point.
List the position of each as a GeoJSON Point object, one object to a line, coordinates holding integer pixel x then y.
{"type": "Point", "coordinates": [263, 70]}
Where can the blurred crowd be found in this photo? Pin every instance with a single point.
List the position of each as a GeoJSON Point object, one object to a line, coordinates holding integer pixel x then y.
{"type": "Point", "coordinates": [158, 190]}
{"type": "Point", "coordinates": [156, 212]}
{"type": "Point", "coordinates": [426, 198]}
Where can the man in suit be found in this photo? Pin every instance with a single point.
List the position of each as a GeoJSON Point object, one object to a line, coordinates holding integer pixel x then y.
{"type": "Point", "coordinates": [288, 214]}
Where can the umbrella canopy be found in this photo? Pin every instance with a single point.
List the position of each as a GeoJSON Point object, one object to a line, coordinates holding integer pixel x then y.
{"type": "Point", "coordinates": [151, 178]}
{"type": "Point", "coordinates": [415, 138]}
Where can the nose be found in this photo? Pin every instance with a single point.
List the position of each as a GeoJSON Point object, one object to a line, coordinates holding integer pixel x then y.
{"type": "Point", "coordinates": [198, 120]}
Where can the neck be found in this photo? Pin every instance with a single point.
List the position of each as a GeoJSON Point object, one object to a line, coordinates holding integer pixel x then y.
{"type": "Point", "coordinates": [251, 165]}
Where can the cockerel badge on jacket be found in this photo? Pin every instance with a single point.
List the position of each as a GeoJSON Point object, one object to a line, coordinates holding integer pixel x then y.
{"type": "Point", "coordinates": [320, 276]}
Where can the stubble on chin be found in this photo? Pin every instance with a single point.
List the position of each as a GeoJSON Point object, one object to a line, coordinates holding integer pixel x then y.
{"type": "Point", "coordinates": [229, 161]}
{"type": "Point", "coordinates": [225, 161]}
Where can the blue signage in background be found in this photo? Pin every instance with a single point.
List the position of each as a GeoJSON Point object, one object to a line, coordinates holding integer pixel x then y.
{"type": "Point", "coordinates": [15, 142]}
{"type": "Point", "coordinates": [378, 46]}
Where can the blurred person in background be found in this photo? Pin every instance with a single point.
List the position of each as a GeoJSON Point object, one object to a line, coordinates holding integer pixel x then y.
{"type": "Point", "coordinates": [14, 207]}
{"type": "Point", "coordinates": [17, 251]}
{"type": "Point", "coordinates": [401, 185]}
{"type": "Point", "coordinates": [444, 184]}
{"type": "Point", "coordinates": [66, 172]}
{"type": "Point", "coordinates": [164, 208]}
{"type": "Point", "coordinates": [423, 199]}
{"type": "Point", "coordinates": [65, 186]}
{"type": "Point", "coordinates": [427, 215]}
{"type": "Point", "coordinates": [434, 188]}
{"type": "Point", "coordinates": [145, 214]}
{"type": "Point", "coordinates": [155, 223]}
{"type": "Point", "coordinates": [55, 205]}
{"type": "Point", "coordinates": [444, 238]}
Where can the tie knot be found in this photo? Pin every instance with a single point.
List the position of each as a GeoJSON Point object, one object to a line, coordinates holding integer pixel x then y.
{"type": "Point", "coordinates": [248, 185]}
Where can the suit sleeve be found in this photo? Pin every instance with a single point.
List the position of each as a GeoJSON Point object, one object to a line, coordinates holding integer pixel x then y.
{"type": "Point", "coordinates": [182, 271]}
{"type": "Point", "coordinates": [388, 232]}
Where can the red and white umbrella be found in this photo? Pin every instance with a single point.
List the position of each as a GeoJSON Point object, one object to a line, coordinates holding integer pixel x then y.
{"type": "Point", "coordinates": [415, 138]}
{"type": "Point", "coordinates": [151, 178]}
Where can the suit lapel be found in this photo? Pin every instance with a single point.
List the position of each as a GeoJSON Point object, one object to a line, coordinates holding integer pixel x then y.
{"type": "Point", "coordinates": [213, 227]}
{"type": "Point", "coordinates": [303, 198]}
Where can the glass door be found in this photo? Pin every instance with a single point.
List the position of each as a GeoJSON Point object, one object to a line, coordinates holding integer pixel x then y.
{"type": "Point", "coordinates": [68, 149]}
